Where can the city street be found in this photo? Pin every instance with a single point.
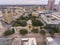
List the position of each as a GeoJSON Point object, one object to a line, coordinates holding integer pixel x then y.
{"type": "Point", "coordinates": [39, 37]}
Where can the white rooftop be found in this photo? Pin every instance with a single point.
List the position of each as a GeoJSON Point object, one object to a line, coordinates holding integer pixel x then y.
{"type": "Point", "coordinates": [31, 41]}
{"type": "Point", "coordinates": [56, 15]}
{"type": "Point", "coordinates": [52, 41]}
{"type": "Point", "coordinates": [50, 19]}
{"type": "Point", "coordinates": [49, 39]}
{"type": "Point", "coordinates": [24, 41]}
{"type": "Point", "coordinates": [5, 41]}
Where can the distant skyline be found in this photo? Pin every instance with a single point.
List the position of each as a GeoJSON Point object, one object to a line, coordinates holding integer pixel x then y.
{"type": "Point", "coordinates": [15, 2]}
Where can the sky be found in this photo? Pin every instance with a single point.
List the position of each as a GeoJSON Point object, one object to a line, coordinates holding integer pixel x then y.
{"type": "Point", "coordinates": [12, 2]}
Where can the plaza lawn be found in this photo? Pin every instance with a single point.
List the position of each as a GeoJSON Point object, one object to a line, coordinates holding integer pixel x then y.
{"type": "Point", "coordinates": [23, 31]}
{"type": "Point", "coordinates": [20, 23]}
{"type": "Point", "coordinates": [37, 23]}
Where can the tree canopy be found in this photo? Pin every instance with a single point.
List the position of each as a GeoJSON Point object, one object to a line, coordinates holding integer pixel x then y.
{"type": "Point", "coordinates": [37, 23]}
{"type": "Point", "coordinates": [23, 31]}
{"type": "Point", "coordinates": [34, 30]}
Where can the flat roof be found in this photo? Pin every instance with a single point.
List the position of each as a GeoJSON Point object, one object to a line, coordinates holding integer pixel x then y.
{"type": "Point", "coordinates": [57, 40]}
{"type": "Point", "coordinates": [52, 41]}
{"type": "Point", "coordinates": [49, 39]}
{"type": "Point", "coordinates": [31, 41]}
{"type": "Point", "coordinates": [24, 41]}
{"type": "Point", "coordinates": [5, 41]}
{"type": "Point", "coordinates": [49, 19]}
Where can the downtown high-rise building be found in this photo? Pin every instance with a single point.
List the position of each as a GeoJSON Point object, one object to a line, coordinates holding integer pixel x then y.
{"type": "Point", "coordinates": [59, 7]}
{"type": "Point", "coordinates": [51, 4]}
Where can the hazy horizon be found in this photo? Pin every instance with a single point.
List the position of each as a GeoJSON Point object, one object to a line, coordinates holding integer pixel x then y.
{"type": "Point", "coordinates": [17, 2]}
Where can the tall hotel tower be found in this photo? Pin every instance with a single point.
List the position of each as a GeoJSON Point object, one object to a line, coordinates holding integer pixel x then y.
{"type": "Point", "coordinates": [51, 4]}
{"type": "Point", "coordinates": [59, 7]}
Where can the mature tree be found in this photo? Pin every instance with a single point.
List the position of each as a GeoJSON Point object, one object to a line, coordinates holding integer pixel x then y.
{"type": "Point", "coordinates": [23, 23]}
{"type": "Point", "coordinates": [24, 18]}
{"type": "Point", "coordinates": [30, 15]}
{"type": "Point", "coordinates": [51, 32]}
{"type": "Point", "coordinates": [20, 23]}
{"type": "Point", "coordinates": [52, 27]}
{"type": "Point", "coordinates": [34, 30]}
{"type": "Point", "coordinates": [37, 23]}
{"type": "Point", "coordinates": [8, 32]}
{"type": "Point", "coordinates": [13, 30]}
{"type": "Point", "coordinates": [23, 31]}
{"type": "Point", "coordinates": [21, 18]}
{"type": "Point", "coordinates": [58, 31]}
{"type": "Point", "coordinates": [42, 32]}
